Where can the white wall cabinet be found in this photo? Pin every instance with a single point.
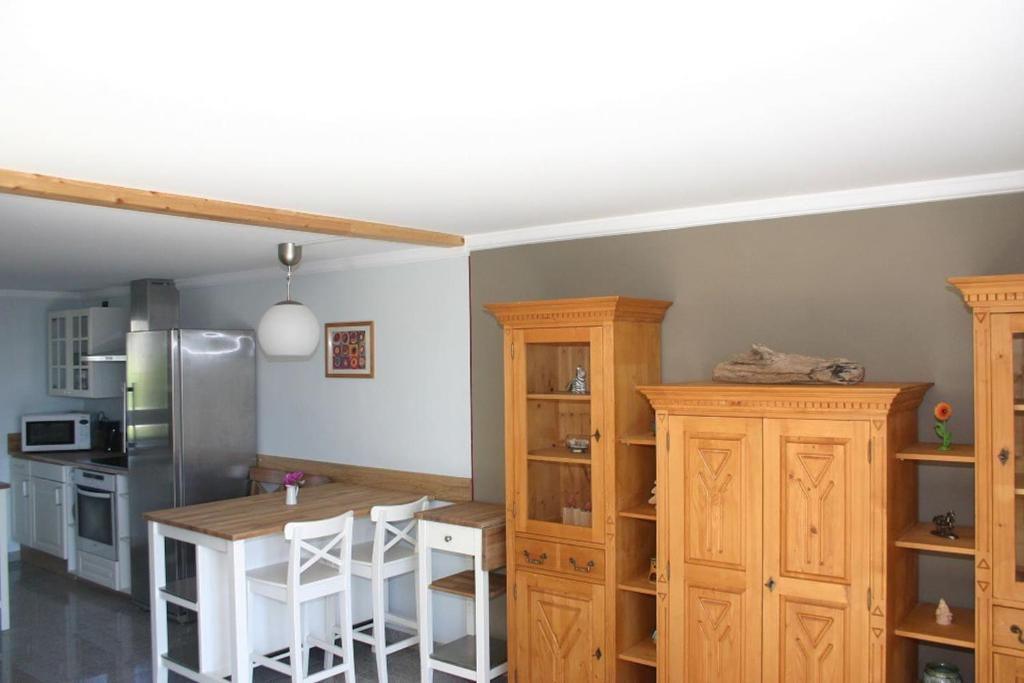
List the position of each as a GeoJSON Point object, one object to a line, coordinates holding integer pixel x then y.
{"type": "Point", "coordinates": [72, 335]}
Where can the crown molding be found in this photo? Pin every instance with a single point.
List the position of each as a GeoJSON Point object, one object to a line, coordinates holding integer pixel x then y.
{"type": "Point", "coordinates": [37, 294]}
{"type": "Point", "coordinates": [388, 258]}
{"type": "Point", "coordinates": [759, 209]}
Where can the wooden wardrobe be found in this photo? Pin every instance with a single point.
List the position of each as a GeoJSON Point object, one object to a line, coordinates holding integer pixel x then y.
{"type": "Point", "coordinates": [777, 508]}
{"type": "Point", "coordinates": [580, 532]}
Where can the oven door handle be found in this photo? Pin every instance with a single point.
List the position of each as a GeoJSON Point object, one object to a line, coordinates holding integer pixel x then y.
{"type": "Point", "coordinates": [90, 494]}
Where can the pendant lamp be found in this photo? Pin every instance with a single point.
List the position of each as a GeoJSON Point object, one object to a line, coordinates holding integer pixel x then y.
{"type": "Point", "coordinates": [288, 329]}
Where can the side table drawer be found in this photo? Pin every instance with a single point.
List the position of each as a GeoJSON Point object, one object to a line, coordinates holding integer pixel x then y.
{"type": "Point", "coordinates": [450, 537]}
{"type": "Point", "coordinates": [1008, 627]}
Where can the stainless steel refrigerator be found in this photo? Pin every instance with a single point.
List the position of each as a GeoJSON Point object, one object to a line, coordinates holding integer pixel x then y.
{"type": "Point", "coordinates": [190, 430]}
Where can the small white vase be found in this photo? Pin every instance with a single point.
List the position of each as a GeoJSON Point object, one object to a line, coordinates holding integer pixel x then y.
{"type": "Point", "coordinates": [291, 495]}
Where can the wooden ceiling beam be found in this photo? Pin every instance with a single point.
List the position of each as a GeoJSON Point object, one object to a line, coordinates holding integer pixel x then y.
{"type": "Point", "coordinates": [151, 201]}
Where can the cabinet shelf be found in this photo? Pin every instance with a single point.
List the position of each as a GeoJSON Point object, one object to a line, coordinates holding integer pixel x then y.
{"type": "Point", "coordinates": [919, 537]}
{"type": "Point", "coordinates": [929, 452]}
{"type": "Point", "coordinates": [639, 440]}
{"type": "Point", "coordinates": [920, 624]}
{"type": "Point", "coordinates": [558, 396]}
{"type": "Point", "coordinates": [464, 584]}
{"type": "Point", "coordinates": [559, 454]}
{"type": "Point", "coordinates": [644, 511]}
{"type": "Point", "coordinates": [639, 584]}
{"type": "Point", "coordinates": [645, 652]}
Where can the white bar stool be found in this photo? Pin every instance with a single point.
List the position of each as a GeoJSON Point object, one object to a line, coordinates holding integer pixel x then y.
{"type": "Point", "coordinates": [392, 553]}
{"type": "Point", "coordinates": [326, 572]}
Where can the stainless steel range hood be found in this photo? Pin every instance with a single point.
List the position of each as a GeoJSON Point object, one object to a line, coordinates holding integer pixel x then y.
{"type": "Point", "coordinates": [154, 306]}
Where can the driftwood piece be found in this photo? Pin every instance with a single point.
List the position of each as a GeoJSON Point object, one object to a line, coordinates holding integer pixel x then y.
{"type": "Point", "coordinates": [761, 365]}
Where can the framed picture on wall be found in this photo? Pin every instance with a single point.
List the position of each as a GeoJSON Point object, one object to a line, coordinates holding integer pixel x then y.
{"type": "Point", "coordinates": [348, 349]}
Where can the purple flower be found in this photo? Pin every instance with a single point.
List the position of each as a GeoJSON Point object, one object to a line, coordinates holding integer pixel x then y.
{"type": "Point", "coordinates": [293, 478]}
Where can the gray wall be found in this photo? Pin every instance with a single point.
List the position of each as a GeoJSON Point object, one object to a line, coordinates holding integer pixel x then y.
{"type": "Point", "coordinates": [868, 285]}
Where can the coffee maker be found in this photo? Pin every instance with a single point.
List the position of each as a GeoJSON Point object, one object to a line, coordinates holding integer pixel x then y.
{"type": "Point", "coordinates": [108, 434]}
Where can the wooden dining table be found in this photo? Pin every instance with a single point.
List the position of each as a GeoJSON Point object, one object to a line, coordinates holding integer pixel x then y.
{"type": "Point", "coordinates": [226, 535]}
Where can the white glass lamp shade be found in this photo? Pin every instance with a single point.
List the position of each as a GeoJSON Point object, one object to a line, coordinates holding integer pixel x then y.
{"type": "Point", "coordinates": [288, 329]}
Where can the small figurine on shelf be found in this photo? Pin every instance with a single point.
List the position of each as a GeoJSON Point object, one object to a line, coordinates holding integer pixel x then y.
{"type": "Point", "coordinates": [653, 500]}
{"type": "Point", "coordinates": [652, 572]}
{"type": "Point", "coordinates": [943, 411]}
{"type": "Point", "coordinates": [945, 525]}
{"type": "Point", "coordinates": [943, 615]}
{"type": "Point", "coordinates": [578, 384]}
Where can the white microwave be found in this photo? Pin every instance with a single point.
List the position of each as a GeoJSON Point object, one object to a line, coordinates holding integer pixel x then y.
{"type": "Point", "coordinates": [56, 432]}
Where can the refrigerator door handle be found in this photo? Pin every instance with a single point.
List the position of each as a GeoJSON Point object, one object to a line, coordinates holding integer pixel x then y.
{"type": "Point", "coordinates": [126, 389]}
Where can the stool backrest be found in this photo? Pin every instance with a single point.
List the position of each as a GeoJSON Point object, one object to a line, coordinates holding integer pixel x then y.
{"type": "Point", "coordinates": [394, 524]}
{"type": "Point", "coordinates": [324, 540]}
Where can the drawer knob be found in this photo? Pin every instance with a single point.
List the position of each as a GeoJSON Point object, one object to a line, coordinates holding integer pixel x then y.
{"type": "Point", "coordinates": [539, 560]}
{"type": "Point", "coordinates": [447, 539]}
{"type": "Point", "coordinates": [588, 567]}
{"type": "Point", "coordinates": [1016, 630]}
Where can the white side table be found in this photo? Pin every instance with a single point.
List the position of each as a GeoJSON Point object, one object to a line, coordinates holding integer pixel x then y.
{"type": "Point", "coordinates": [5, 570]}
{"type": "Point", "coordinates": [476, 530]}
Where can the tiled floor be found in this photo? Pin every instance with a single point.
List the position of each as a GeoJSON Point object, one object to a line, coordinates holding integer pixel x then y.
{"type": "Point", "coordinates": [66, 630]}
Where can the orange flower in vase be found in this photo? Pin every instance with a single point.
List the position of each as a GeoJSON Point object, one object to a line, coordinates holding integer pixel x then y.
{"type": "Point", "coordinates": [943, 411]}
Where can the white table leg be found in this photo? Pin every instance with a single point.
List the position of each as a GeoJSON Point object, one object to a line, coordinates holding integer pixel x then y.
{"type": "Point", "coordinates": [424, 606]}
{"type": "Point", "coordinates": [5, 574]}
{"type": "Point", "coordinates": [483, 621]}
{"type": "Point", "coordinates": [241, 667]}
{"type": "Point", "coordinates": [157, 605]}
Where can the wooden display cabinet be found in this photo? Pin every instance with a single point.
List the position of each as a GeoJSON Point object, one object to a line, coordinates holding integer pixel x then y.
{"type": "Point", "coordinates": [580, 531]}
{"type": "Point", "coordinates": [997, 302]}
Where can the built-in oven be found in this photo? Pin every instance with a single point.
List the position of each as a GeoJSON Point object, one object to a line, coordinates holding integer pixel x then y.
{"type": "Point", "coordinates": [96, 518]}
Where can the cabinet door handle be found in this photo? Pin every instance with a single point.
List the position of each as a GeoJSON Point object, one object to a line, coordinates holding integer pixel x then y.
{"type": "Point", "coordinates": [1016, 630]}
{"type": "Point", "coordinates": [597, 653]}
{"type": "Point", "coordinates": [447, 539]}
{"type": "Point", "coordinates": [770, 585]}
{"type": "Point", "coordinates": [56, 497]}
{"type": "Point", "coordinates": [588, 567]}
{"type": "Point", "coordinates": [1004, 456]}
{"type": "Point", "coordinates": [540, 560]}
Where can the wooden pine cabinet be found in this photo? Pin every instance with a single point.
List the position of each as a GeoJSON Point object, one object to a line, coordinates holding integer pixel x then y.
{"type": "Point", "coordinates": [778, 538]}
{"type": "Point", "coordinates": [997, 304]}
{"type": "Point", "coordinates": [581, 534]}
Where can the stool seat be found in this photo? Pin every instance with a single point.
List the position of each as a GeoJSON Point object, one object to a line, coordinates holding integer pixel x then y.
{"type": "Point", "coordinates": [363, 554]}
{"type": "Point", "coordinates": [277, 575]}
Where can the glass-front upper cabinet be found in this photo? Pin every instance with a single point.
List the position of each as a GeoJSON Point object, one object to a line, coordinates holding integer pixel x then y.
{"type": "Point", "coordinates": [1008, 444]}
{"type": "Point", "coordinates": [558, 410]}
{"type": "Point", "coordinates": [73, 335]}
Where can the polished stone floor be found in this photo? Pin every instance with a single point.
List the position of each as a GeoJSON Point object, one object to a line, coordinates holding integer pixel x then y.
{"type": "Point", "coordinates": [64, 630]}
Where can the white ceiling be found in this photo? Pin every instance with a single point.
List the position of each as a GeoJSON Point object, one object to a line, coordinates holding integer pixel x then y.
{"type": "Point", "coordinates": [474, 117]}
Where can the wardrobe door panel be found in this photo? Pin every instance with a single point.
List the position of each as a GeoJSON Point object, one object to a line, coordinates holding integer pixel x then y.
{"type": "Point", "coordinates": [816, 539]}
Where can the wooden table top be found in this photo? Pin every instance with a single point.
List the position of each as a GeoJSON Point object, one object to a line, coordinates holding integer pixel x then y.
{"type": "Point", "coordinates": [240, 518]}
{"type": "Point", "coordinates": [476, 515]}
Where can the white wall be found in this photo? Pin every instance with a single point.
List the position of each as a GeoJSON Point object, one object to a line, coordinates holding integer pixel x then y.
{"type": "Point", "coordinates": [23, 364]}
{"type": "Point", "coordinates": [413, 415]}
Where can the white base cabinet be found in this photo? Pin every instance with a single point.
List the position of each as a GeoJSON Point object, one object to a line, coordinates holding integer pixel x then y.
{"type": "Point", "coordinates": [43, 508]}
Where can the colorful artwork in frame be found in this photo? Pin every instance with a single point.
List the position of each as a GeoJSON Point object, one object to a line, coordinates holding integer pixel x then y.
{"type": "Point", "coordinates": [348, 349]}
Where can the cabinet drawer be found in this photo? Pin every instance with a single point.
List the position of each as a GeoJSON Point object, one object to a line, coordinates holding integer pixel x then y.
{"type": "Point", "coordinates": [1008, 627]}
{"type": "Point", "coordinates": [19, 467]}
{"type": "Point", "coordinates": [453, 538]}
{"type": "Point", "coordinates": [575, 560]}
{"type": "Point", "coordinates": [51, 471]}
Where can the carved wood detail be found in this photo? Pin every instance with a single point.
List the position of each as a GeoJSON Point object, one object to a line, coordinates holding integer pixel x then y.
{"type": "Point", "coordinates": [814, 513]}
{"type": "Point", "coordinates": [814, 643]}
{"type": "Point", "coordinates": [714, 472]}
{"type": "Point", "coordinates": [714, 635]}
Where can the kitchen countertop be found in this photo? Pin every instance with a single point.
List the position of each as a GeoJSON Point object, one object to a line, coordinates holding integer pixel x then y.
{"type": "Point", "coordinates": [237, 519]}
{"type": "Point", "coordinates": [73, 459]}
